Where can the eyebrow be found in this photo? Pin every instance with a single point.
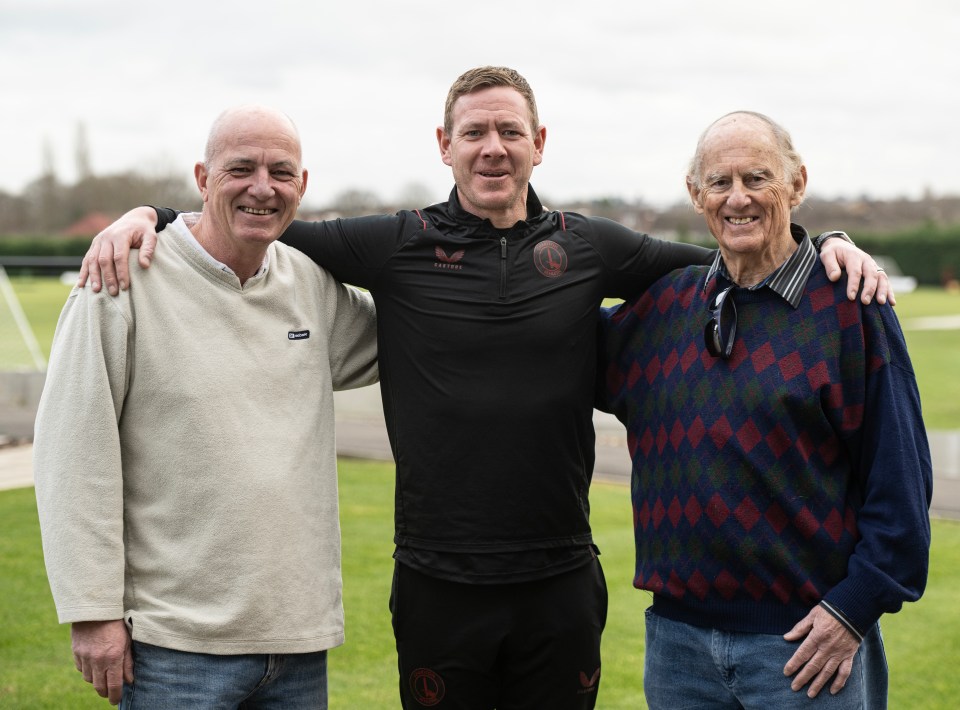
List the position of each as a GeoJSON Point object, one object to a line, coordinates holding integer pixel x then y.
{"type": "Point", "coordinates": [500, 123]}
{"type": "Point", "coordinates": [237, 162]}
{"type": "Point", "coordinates": [756, 172]}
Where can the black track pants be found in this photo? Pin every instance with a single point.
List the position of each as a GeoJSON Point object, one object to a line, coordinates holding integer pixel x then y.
{"type": "Point", "coordinates": [525, 646]}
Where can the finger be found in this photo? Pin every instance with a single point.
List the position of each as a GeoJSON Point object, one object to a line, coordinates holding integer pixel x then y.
{"type": "Point", "coordinates": [88, 264]}
{"type": "Point", "coordinates": [147, 249]}
{"type": "Point", "coordinates": [128, 666]}
{"type": "Point", "coordinates": [114, 685]}
{"type": "Point", "coordinates": [806, 674]}
{"type": "Point", "coordinates": [854, 274]}
{"type": "Point", "coordinates": [107, 270]}
{"type": "Point", "coordinates": [105, 676]}
{"type": "Point", "coordinates": [95, 678]}
{"type": "Point", "coordinates": [801, 629]}
{"type": "Point", "coordinates": [831, 265]}
{"type": "Point", "coordinates": [92, 266]}
{"type": "Point", "coordinates": [885, 289]}
{"type": "Point", "coordinates": [85, 668]}
{"type": "Point", "coordinates": [843, 674]}
{"type": "Point", "coordinates": [797, 662]}
{"type": "Point", "coordinates": [122, 268]}
{"type": "Point", "coordinates": [100, 684]}
{"type": "Point", "coordinates": [821, 679]}
{"type": "Point", "coordinates": [883, 285]}
{"type": "Point", "coordinates": [82, 276]}
{"type": "Point", "coordinates": [809, 671]}
{"type": "Point", "coordinates": [800, 657]}
{"type": "Point", "coordinates": [869, 288]}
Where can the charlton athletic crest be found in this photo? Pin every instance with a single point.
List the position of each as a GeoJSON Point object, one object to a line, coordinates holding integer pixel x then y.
{"type": "Point", "coordinates": [427, 687]}
{"type": "Point", "coordinates": [550, 259]}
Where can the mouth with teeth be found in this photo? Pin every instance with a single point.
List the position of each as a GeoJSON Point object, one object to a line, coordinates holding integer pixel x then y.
{"type": "Point", "coordinates": [255, 211]}
{"type": "Point", "coordinates": [741, 220]}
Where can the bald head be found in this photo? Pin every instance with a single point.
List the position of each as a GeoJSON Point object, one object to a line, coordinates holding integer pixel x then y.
{"type": "Point", "coordinates": [250, 118]}
{"type": "Point", "coordinates": [790, 159]}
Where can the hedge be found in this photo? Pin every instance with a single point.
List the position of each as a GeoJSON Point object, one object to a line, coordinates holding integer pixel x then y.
{"type": "Point", "coordinates": [930, 253]}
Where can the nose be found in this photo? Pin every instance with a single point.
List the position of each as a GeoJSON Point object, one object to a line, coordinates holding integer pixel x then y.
{"type": "Point", "coordinates": [261, 186]}
{"type": "Point", "coordinates": [493, 145]}
{"type": "Point", "coordinates": [739, 196]}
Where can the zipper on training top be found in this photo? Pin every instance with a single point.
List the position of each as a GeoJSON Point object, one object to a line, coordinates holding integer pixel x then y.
{"type": "Point", "coordinates": [503, 267]}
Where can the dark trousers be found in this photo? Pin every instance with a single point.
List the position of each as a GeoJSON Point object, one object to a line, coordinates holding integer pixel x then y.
{"type": "Point", "coordinates": [530, 645]}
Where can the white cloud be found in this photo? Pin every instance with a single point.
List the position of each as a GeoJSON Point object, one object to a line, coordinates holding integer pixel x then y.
{"type": "Point", "coordinates": [623, 87]}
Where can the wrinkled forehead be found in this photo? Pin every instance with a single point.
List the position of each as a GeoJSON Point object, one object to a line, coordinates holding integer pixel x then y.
{"type": "Point", "coordinates": [747, 144]}
{"type": "Point", "coordinates": [255, 131]}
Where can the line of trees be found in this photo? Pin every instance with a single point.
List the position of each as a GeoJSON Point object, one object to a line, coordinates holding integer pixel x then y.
{"type": "Point", "coordinates": [47, 206]}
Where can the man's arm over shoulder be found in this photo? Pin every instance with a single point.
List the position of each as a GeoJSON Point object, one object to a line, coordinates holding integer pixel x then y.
{"type": "Point", "coordinates": [634, 260]}
{"type": "Point", "coordinates": [106, 261]}
{"type": "Point", "coordinates": [353, 249]}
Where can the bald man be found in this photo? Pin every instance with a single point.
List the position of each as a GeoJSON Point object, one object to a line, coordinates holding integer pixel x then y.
{"type": "Point", "coordinates": [184, 452]}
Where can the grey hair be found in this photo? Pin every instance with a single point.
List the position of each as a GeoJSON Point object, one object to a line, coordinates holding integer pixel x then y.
{"type": "Point", "coordinates": [791, 159]}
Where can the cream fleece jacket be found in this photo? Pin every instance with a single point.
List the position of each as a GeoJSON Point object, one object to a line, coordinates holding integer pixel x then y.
{"type": "Point", "coordinates": [184, 452]}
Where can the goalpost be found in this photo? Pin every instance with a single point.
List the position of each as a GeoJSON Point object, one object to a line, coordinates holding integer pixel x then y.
{"type": "Point", "coordinates": [19, 349]}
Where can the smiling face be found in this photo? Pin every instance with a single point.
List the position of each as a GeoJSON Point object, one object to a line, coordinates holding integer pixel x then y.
{"type": "Point", "coordinates": [746, 194]}
{"type": "Point", "coordinates": [492, 148]}
{"type": "Point", "coordinates": [251, 183]}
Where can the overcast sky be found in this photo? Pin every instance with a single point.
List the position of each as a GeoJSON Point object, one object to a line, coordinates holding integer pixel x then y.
{"type": "Point", "coordinates": [869, 90]}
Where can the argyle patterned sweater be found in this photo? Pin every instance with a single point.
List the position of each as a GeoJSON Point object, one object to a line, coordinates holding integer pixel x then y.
{"type": "Point", "coordinates": [796, 471]}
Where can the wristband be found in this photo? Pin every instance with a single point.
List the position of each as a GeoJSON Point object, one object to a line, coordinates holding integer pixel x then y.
{"type": "Point", "coordinates": [821, 238]}
{"type": "Point", "coordinates": [841, 617]}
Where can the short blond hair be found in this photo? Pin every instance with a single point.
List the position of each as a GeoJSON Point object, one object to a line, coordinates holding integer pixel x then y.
{"type": "Point", "coordinates": [485, 77]}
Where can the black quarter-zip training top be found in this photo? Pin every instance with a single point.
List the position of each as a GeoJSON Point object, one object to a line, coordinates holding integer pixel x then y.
{"type": "Point", "coordinates": [487, 354]}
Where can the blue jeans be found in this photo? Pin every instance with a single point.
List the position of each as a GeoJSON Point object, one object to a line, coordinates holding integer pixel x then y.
{"type": "Point", "coordinates": [164, 678]}
{"type": "Point", "coordinates": [691, 667]}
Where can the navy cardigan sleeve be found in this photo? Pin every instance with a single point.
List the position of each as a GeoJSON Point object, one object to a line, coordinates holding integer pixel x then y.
{"type": "Point", "coordinates": [892, 457]}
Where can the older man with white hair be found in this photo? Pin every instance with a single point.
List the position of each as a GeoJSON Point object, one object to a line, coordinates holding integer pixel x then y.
{"type": "Point", "coordinates": [781, 471]}
{"type": "Point", "coordinates": [184, 452]}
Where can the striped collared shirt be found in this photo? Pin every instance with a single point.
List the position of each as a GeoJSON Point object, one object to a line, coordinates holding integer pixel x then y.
{"type": "Point", "coordinates": [790, 278]}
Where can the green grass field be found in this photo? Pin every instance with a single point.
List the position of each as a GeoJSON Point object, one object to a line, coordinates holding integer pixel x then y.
{"type": "Point", "coordinates": [923, 641]}
{"type": "Point", "coordinates": [36, 671]}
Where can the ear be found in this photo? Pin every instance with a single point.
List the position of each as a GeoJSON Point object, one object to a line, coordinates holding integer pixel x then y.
{"type": "Point", "coordinates": [443, 140]}
{"type": "Point", "coordinates": [303, 181]}
{"type": "Point", "coordinates": [200, 175]}
{"type": "Point", "coordinates": [695, 194]}
{"type": "Point", "coordinates": [539, 139]}
{"type": "Point", "coordinates": [799, 186]}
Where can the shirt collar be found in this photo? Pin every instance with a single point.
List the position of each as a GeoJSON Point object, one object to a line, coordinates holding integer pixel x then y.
{"type": "Point", "coordinates": [189, 219]}
{"type": "Point", "coordinates": [789, 279]}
